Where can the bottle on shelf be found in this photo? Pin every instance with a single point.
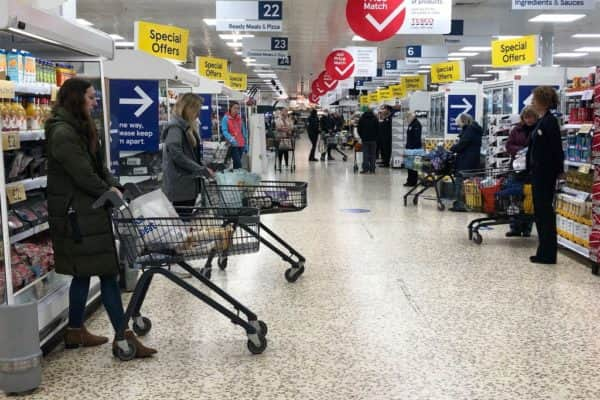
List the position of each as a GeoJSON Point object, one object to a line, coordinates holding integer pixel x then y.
{"type": "Point", "coordinates": [5, 115]}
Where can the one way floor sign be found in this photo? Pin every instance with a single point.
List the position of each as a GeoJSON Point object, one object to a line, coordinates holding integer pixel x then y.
{"type": "Point", "coordinates": [460, 104]}
{"type": "Point", "coordinates": [134, 114]}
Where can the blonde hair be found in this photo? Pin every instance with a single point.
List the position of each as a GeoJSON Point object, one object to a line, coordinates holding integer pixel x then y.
{"type": "Point", "coordinates": [528, 112]}
{"type": "Point", "coordinates": [186, 104]}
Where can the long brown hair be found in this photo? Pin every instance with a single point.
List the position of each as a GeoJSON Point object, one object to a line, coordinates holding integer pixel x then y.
{"type": "Point", "coordinates": [71, 97]}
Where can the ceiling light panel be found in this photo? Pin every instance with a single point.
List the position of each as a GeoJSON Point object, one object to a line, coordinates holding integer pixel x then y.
{"type": "Point", "coordinates": [557, 18]}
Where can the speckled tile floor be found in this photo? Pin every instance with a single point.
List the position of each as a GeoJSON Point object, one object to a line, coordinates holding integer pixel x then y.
{"type": "Point", "coordinates": [395, 304]}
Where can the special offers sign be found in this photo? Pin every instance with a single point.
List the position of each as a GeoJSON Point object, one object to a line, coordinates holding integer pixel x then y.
{"type": "Point", "coordinates": [515, 52]}
{"type": "Point", "coordinates": [164, 41]}
{"type": "Point", "coordinates": [378, 20]}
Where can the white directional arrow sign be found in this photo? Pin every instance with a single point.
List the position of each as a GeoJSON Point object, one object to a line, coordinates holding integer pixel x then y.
{"type": "Point", "coordinates": [466, 106]}
{"type": "Point", "coordinates": [144, 101]}
{"type": "Point", "coordinates": [527, 101]}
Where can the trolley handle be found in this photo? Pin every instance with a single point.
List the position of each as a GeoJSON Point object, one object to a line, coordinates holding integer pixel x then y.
{"type": "Point", "coordinates": [110, 199]}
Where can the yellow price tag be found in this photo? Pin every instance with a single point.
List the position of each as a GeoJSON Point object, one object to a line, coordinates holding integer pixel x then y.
{"type": "Point", "coordinates": [584, 169]}
{"type": "Point", "coordinates": [11, 141]}
{"type": "Point", "coordinates": [16, 193]}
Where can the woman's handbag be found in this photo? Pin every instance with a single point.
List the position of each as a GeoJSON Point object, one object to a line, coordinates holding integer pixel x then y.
{"type": "Point", "coordinates": [285, 144]}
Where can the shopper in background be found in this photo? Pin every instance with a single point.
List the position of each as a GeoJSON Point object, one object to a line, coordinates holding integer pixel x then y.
{"type": "Point", "coordinates": [328, 129]}
{"type": "Point", "coordinates": [339, 122]}
{"type": "Point", "coordinates": [234, 131]}
{"type": "Point", "coordinates": [313, 133]}
{"type": "Point", "coordinates": [545, 161]}
{"type": "Point", "coordinates": [215, 125]}
{"type": "Point", "coordinates": [413, 141]}
{"type": "Point", "coordinates": [368, 127]}
{"type": "Point", "coordinates": [182, 159]}
{"type": "Point", "coordinates": [284, 130]}
{"type": "Point", "coordinates": [517, 141]}
{"type": "Point", "coordinates": [468, 155]}
{"type": "Point", "coordinates": [385, 135]}
{"type": "Point", "coordinates": [82, 236]}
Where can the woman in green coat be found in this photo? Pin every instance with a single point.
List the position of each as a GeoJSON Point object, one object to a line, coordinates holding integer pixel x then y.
{"type": "Point", "coordinates": [82, 236]}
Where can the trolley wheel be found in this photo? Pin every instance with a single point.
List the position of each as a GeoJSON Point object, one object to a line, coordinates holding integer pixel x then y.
{"type": "Point", "coordinates": [441, 206]}
{"type": "Point", "coordinates": [254, 349]}
{"type": "Point", "coordinates": [206, 272]}
{"type": "Point", "coordinates": [415, 201]}
{"type": "Point", "coordinates": [292, 274]}
{"type": "Point", "coordinates": [222, 261]}
{"type": "Point", "coordinates": [144, 328]}
{"type": "Point", "coordinates": [125, 355]}
{"type": "Point", "coordinates": [477, 238]}
{"type": "Point", "coordinates": [260, 326]}
{"type": "Point", "coordinates": [355, 169]}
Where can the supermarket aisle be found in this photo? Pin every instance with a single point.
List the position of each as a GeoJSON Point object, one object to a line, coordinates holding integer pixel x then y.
{"type": "Point", "coordinates": [395, 304]}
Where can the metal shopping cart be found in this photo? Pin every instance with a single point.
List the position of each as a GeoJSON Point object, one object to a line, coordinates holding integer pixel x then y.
{"type": "Point", "coordinates": [271, 197]}
{"type": "Point", "coordinates": [289, 143]}
{"type": "Point", "coordinates": [506, 198]}
{"type": "Point", "coordinates": [433, 168]}
{"type": "Point", "coordinates": [156, 244]}
{"type": "Point", "coordinates": [216, 155]}
{"type": "Point", "coordinates": [331, 141]}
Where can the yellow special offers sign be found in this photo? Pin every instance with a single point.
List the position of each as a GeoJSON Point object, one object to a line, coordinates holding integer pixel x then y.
{"type": "Point", "coordinates": [413, 83]}
{"type": "Point", "coordinates": [237, 81]}
{"type": "Point", "coordinates": [164, 41]}
{"type": "Point", "coordinates": [386, 94]}
{"type": "Point", "coordinates": [373, 98]}
{"type": "Point", "coordinates": [212, 68]}
{"type": "Point", "coordinates": [364, 100]}
{"type": "Point", "coordinates": [447, 72]}
{"type": "Point", "coordinates": [515, 52]}
{"type": "Point", "coordinates": [398, 91]}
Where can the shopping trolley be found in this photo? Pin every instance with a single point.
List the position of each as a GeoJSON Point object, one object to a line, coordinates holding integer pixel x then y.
{"type": "Point", "coordinates": [216, 155]}
{"type": "Point", "coordinates": [332, 141]}
{"type": "Point", "coordinates": [433, 168]}
{"type": "Point", "coordinates": [271, 197]}
{"type": "Point", "coordinates": [156, 244]}
{"type": "Point", "coordinates": [291, 142]}
{"type": "Point", "coordinates": [506, 198]}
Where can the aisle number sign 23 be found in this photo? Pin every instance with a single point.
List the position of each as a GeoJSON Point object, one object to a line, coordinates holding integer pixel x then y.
{"type": "Point", "coordinates": [212, 68]}
{"type": "Point", "coordinates": [164, 41]}
{"type": "Point", "coordinates": [515, 52]}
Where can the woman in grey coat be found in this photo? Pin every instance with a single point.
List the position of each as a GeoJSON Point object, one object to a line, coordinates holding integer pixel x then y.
{"type": "Point", "coordinates": [182, 158]}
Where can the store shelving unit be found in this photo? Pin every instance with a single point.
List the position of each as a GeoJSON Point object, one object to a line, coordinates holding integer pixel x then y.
{"type": "Point", "coordinates": [51, 38]}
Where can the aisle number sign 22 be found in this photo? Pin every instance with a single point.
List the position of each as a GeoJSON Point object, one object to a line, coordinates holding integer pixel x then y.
{"type": "Point", "coordinates": [212, 68]}
{"type": "Point", "coordinates": [515, 52]}
{"type": "Point", "coordinates": [164, 41]}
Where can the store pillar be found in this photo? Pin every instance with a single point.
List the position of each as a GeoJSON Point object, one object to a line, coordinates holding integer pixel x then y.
{"type": "Point", "coordinates": [547, 48]}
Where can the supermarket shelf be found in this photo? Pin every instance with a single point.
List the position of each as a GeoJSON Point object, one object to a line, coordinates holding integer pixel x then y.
{"type": "Point", "coordinates": [34, 282]}
{"type": "Point", "coordinates": [566, 243]}
{"type": "Point", "coordinates": [29, 233]}
{"type": "Point", "coordinates": [576, 126]}
{"type": "Point", "coordinates": [578, 164]}
{"type": "Point", "coordinates": [575, 192]}
{"type": "Point", "coordinates": [35, 88]}
{"type": "Point", "coordinates": [32, 184]}
{"type": "Point", "coordinates": [589, 92]}
{"type": "Point", "coordinates": [31, 136]}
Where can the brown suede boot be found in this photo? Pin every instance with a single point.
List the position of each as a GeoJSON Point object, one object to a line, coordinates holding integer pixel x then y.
{"type": "Point", "coordinates": [80, 337]}
{"type": "Point", "coordinates": [141, 350]}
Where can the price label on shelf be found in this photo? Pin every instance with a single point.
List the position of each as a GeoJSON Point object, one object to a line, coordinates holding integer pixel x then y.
{"type": "Point", "coordinates": [586, 128]}
{"type": "Point", "coordinates": [7, 89]}
{"type": "Point", "coordinates": [16, 193]}
{"type": "Point", "coordinates": [585, 169]}
{"type": "Point", "coordinates": [11, 141]}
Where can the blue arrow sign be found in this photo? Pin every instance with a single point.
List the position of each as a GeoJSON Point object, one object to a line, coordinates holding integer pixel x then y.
{"type": "Point", "coordinates": [460, 104]}
{"type": "Point", "coordinates": [134, 114]}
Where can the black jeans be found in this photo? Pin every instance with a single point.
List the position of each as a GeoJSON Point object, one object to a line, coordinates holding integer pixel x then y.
{"type": "Point", "coordinates": [283, 155]}
{"type": "Point", "coordinates": [111, 298]}
{"type": "Point", "coordinates": [314, 139]}
{"type": "Point", "coordinates": [236, 156]}
{"type": "Point", "coordinates": [369, 150]}
{"type": "Point", "coordinates": [413, 177]}
{"type": "Point", "coordinates": [545, 217]}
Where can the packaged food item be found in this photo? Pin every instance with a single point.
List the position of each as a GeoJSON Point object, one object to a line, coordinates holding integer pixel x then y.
{"type": "Point", "coordinates": [15, 225]}
{"type": "Point", "coordinates": [12, 65]}
{"type": "Point", "coordinates": [2, 64]}
{"type": "Point", "coordinates": [64, 72]}
{"type": "Point", "coordinates": [29, 68]}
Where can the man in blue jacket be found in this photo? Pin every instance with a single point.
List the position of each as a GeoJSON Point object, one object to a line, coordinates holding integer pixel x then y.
{"type": "Point", "coordinates": [468, 155]}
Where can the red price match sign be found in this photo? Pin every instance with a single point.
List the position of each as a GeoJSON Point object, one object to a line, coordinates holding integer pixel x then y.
{"type": "Point", "coordinates": [376, 20]}
{"type": "Point", "coordinates": [327, 81]}
{"type": "Point", "coordinates": [313, 98]}
{"type": "Point", "coordinates": [340, 65]}
{"type": "Point", "coordinates": [318, 88]}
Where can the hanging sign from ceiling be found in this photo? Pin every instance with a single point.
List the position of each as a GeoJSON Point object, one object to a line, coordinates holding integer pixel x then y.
{"type": "Point", "coordinates": [448, 72]}
{"type": "Point", "coordinates": [164, 41]}
{"type": "Point", "coordinates": [413, 83]}
{"type": "Point", "coordinates": [313, 98]}
{"type": "Point", "coordinates": [237, 81]}
{"type": "Point", "coordinates": [328, 81]}
{"type": "Point", "coordinates": [340, 65]}
{"type": "Point", "coordinates": [515, 52]}
{"type": "Point", "coordinates": [553, 4]}
{"type": "Point", "coordinates": [398, 91]}
{"type": "Point", "coordinates": [212, 68]}
{"type": "Point", "coordinates": [386, 94]}
{"type": "Point", "coordinates": [373, 98]}
{"type": "Point", "coordinates": [364, 100]}
{"type": "Point", "coordinates": [265, 46]}
{"type": "Point", "coordinates": [249, 16]}
{"type": "Point", "coordinates": [318, 88]}
{"type": "Point", "coordinates": [378, 20]}
{"type": "Point", "coordinates": [365, 59]}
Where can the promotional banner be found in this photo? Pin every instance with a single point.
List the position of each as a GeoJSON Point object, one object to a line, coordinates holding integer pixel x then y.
{"type": "Point", "coordinates": [250, 16]}
{"type": "Point", "coordinates": [398, 91]}
{"type": "Point", "coordinates": [373, 98]}
{"type": "Point", "coordinates": [134, 114]}
{"type": "Point", "coordinates": [365, 60]}
{"type": "Point", "coordinates": [313, 98]}
{"type": "Point", "coordinates": [414, 83]}
{"type": "Point", "coordinates": [553, 4]}
{"type": "Point", "coordinates": [364, 100]}
{"type": "Point", "coordinates": [515, 52]}
{"type": "Point", "coordinates": [386, 94]}
{"type": "Point", "coordinates": [212, 68]}
{"type": "Point", "coordinates": [448, 72]}
{"type": "Point", "coordinates": [237, 81]}
{"type": "Point", "coordinates": [164, 41]}
{"type": "Point", "coordinates": [327, 80]}
{"type": "Point", "coordinates": [378, 20]}
{"type": "Point", "coordinates": [318, 88]}
{"type": "Point", "coordinates": [340, 65]}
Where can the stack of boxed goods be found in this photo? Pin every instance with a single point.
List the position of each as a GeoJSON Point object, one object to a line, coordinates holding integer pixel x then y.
{"type": "Point", "coordinates": [573, 221]}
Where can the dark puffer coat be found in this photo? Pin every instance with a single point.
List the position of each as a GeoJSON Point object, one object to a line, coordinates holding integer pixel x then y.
{"type": "Point", "coordinates": [76, 179]}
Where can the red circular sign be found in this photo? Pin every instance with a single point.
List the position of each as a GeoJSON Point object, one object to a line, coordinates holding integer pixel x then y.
{"type": "Point", "coordinates": [327, 81]}
{"type": "Point", "coordinates": [376, 20]}
{"type": "Point", "coordinates": [340, 65]}
{"type": "Point", "coordinates": [318, 87]}
{"type": "Point", "coordinates": [313, 98]}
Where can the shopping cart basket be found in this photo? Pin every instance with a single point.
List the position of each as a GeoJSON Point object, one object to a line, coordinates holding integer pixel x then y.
{"type": "Point", "coordinates": [433, 168]}
{"type": "Point", "coordinates": [271, 197]}
{"type": "Point", "coordinates": [156, 244]}
{"type": "Point", "coordinates": [505, 198]}
{"type": "Point", "coordinates": [290, 141]}
{"type": "Point", "coordinates": [332, 141]}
